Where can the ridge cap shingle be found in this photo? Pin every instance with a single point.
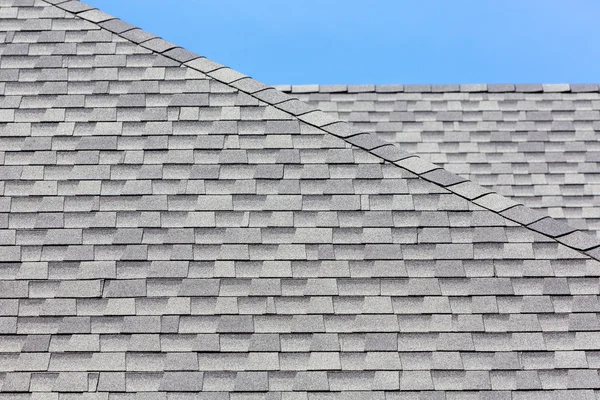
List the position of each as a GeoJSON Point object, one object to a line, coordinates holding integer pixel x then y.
{"type": "Point", "coordinates": [368, 141]}
{"type": "Point", "coordinates": [447, 88]}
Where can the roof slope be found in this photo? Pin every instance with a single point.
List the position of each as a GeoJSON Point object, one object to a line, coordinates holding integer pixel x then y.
{"type": "Point", "coordinates": [537, 144]}
{"type": "Point", "coordinates": [182, 231]}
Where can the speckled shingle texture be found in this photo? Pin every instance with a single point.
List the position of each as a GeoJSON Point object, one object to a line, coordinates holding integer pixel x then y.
{"type": "Point", "coordinates": [537, 144]}
{"type": "Point", "coordinates": [178, 232]}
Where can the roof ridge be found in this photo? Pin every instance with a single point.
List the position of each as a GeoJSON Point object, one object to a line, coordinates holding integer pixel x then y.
{"type": "Point", "coordinates": [485, 198]}
{"type": "Point", "coordinates": [443, 88]}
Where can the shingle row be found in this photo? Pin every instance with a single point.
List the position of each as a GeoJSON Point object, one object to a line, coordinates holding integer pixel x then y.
{"type": "Point", "coordinates": [426, 88]}
{"type": "Point", "coordinates": [51, 229]}
{"type": "Point", "coordinates": [579, 273]}
{"type": "Point", "coordinates": [266, 252]}
{"type": "Point", "coordinates": [250, 315]}
{"type": "Point", "coordinates": [266, 358]}
{"type": "Point", "coordinates": [297, 382]}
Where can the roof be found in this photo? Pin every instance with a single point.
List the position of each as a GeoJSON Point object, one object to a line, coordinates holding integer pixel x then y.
{"type": "Point", "coordinates": [536, 144]}
{"type": "Point", "coordinates": [173, 229]}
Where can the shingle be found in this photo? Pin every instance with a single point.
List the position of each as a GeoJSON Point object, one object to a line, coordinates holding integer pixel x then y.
{"type": "Point", "coordinates": [8, 325]}
{"type": "Point", "coordinates": [94, 16]}
{"type": "Point", "coordinates": [501, 88]}
{"type": "Point", "coordinates": [557, 87]}
{"type": "Point", "coordinates": [181, 381]}
{"type": "Point", "coordinates": [157, 44]}
{"type": "Point", "coordinates": [551, 227]}
{"type": "Point", "coordinates": [523, 215]}
{"type": "Point", "coordinates": [595, 253]}
{"type": "Point", "coordinates": [248, 85]}
{"type": "Point", "coordinates": [391, 153]}
{"type": "Point", "coordinates": [528, 88]}
{"type": "Point", "coordinates": [332, 88]}
{"type": "Point", "coordinates": [199, 287]}
{"type": "Point", "coordinates": [16, 382]}
{"type": "Point", "coordinates": [416, 165]}
{"type": "Point", "coordinates": [389, 88]}
{"type": "Point", "coordinates": [366, 141]}
{"type": "Point", "coordinates": [473, 88]}
{"type": "Point", "coordinates": [360, 88]}
{"type": "Point", "coordinates": [116, 26]}
{"type": "Point", "coordinates": [137, 35]}
{"type": "Point", "coordinates": [73, 6]}
{"type": "Point", "coordinates": [579, 240]}
{"type": "Point", "coordinates": [340, 129]}
{"type": "Point", "coordinates": [317, 118]}
{"type": "Point", "coordinates": [71, 343]}
{"type": "Point", "coordinates": [10, 253]}
{"type": "Point", "coordinates": [203, 64]}
{"type": "Point", "coordinates": [310, 380]}
{"type": "Point", "coordinates": [416, 380]}
{"type": "Point", "coordinates": [227, 75]}
{"type": "Point", "coordinates": [143, 381]}
{"type": "Point", "coordinates": [444, 88]}
{"type": "Point", "coordinates": [495, 202]}
{"type": "Point", "coordinates": [72, 361]}
{"type": "Point", "coordinates": [180, 54]}
{"type": "Point", "coordinates": [469, 190]}
{"type": "Point", "coordinates": [70, 382]}
{"type": "Point", "coordinates": [579, 88]}
{"type": "Point", "coordinates": [251, 381]}
{"type": "Point", "coordinates": [111, 381]}
{"type": "Point", "coordinates": [295, 107]}
{"type": "Point", "coordinates": [124, 288]}
{"type": "Point", "coordinates": [417, 88]}
{"type": "Point", "coordinates": [83, 288]}
{"type": "Point", "coordinates": [443, 177]}
{"type": "Point", "coordinates": [304, 88]}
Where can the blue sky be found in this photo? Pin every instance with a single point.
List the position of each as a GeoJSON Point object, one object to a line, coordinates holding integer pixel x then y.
{"type": "Point", "coordinates": [382, 41]}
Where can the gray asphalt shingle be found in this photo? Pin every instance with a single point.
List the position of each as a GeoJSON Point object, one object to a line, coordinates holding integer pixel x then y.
{"type": "Point", "coordinates": [183, 230]}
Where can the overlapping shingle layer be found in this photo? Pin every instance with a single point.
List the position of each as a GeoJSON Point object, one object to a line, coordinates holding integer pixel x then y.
{"type": "Point", "coordinates": [178, 232]}
{"type": "Point", "coordinates": [537, 144]}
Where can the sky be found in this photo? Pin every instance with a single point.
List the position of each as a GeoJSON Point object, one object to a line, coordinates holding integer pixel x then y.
{"type": "Point", "coordinates": [382, 41]}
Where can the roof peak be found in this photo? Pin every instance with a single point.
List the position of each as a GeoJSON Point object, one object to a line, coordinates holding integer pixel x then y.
{"type": "Point", "coordinates": [472, 192]}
